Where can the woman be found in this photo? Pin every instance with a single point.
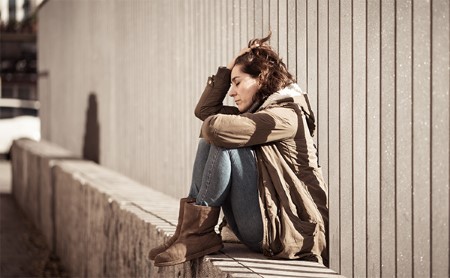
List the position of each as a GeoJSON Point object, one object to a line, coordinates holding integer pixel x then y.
{"type": "Point", "coordinates": [257, 161]}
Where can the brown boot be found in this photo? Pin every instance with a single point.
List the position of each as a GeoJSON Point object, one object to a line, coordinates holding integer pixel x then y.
{"type": "Point", "coordinates": [155, 251]}
{"type": "Point", "coordinates": [197, 236]}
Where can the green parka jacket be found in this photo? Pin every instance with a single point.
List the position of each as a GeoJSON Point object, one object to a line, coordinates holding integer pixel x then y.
{"type": "Point", "coordinates": [293, 194]}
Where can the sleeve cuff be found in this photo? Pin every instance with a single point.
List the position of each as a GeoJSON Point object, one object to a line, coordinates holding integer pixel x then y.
{"type": "Point", "coordinates": [223, 75]}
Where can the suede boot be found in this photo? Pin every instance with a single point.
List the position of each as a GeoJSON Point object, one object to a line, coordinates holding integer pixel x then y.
{"type": "Point", "coordinates": [155, 251]}
{"type": "Point", "coordinates": [197, 236]}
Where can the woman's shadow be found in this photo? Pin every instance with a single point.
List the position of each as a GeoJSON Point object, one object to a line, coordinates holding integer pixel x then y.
{"type": "Point", "coordinates": [91, 142]}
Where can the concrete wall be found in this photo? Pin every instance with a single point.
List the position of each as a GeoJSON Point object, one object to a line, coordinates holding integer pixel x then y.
{"type": "Point", "coordinates": [376, 71]}
{"type": "Point", "coordinates": [99, 223]}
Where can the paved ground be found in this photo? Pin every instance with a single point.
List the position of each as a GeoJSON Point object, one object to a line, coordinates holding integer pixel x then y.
{"type": "Point", "coordinates": [23, 252]}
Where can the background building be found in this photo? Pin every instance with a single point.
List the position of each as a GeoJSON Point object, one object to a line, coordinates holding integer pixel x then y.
{"type": "Point", "coordinates": [124, 77]}
{"type": "Point", "coordinates": [19, 103]}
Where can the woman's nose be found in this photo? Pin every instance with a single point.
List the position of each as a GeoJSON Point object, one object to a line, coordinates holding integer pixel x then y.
{"type": "Point", "coordinates": [232, 92]}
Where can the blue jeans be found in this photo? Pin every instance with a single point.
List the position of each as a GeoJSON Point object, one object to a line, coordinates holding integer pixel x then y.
{"type": "Point", "coordinates": [229, 178]}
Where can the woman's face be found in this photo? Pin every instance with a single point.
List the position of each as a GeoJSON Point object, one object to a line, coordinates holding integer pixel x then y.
{"type": "Point", "coordinates": [243, 88]}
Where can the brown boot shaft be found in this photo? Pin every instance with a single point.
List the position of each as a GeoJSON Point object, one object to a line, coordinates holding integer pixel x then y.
{"type": "Point", "coordinates": [197, 236]}
{"type": "Point", "coordinates": [161, 248]}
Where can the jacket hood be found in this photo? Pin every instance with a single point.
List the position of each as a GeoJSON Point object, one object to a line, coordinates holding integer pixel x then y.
{"type": "Point", "coordinates": [293, 94]}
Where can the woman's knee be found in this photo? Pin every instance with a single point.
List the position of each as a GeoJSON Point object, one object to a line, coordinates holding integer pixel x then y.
{"type": "Point", "coordinates": [203, 143]}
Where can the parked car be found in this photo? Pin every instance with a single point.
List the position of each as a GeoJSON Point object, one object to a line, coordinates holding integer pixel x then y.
{"type": "Point", "coordinates": [15, 128]}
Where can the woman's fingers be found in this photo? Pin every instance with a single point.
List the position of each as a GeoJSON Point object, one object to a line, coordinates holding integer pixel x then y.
{"type": "Point", "coordinates": [243, 51]}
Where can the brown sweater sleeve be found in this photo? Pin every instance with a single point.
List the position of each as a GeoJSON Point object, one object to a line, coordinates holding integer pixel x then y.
{"type": "Point", "coordinates": [211, 101]}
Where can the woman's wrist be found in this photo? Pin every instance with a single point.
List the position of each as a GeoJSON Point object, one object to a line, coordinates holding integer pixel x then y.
{"type": "Point", "coordinates": [223, 75]}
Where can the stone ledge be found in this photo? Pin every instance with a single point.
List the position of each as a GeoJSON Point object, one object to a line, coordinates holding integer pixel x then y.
{"type": "Point", "coordinates": [103, 224]}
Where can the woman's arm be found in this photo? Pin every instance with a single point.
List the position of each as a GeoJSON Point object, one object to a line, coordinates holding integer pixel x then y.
{"type": "Point", "coordinates": [234, 131]}
{"type": "Point", "coordinates": [211, 101]}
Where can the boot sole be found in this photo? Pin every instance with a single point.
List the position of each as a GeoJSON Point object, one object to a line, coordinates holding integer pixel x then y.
{"type": "Point", "coordinates": [193, 256]}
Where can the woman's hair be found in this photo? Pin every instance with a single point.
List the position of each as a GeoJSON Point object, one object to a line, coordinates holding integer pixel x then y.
{"type": "Point", "coordinates": [263, 63]}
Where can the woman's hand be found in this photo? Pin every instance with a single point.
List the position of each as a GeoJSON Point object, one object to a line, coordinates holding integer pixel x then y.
{"type": "Point", "coordinates": [233, 61]}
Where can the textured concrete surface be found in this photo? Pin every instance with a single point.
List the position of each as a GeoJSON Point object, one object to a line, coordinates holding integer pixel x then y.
{"type": "Point", "coordinates": [113, 222]}
{"type": "Point", "coordinates": [23, 250]}
{"type": "Point", "coordinates": [32, 186]}
{"type": "Point", "coordinates": [102, 224]}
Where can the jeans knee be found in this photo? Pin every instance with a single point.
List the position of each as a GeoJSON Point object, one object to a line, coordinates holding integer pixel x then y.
{"type": "Point", "coordinates": [202, 143]}
{"type": "Point", "coordinates": [217, 148]}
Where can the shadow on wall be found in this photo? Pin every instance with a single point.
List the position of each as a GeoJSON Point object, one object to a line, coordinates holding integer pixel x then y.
{"type": "Point", "coordinates": [91, 142]}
